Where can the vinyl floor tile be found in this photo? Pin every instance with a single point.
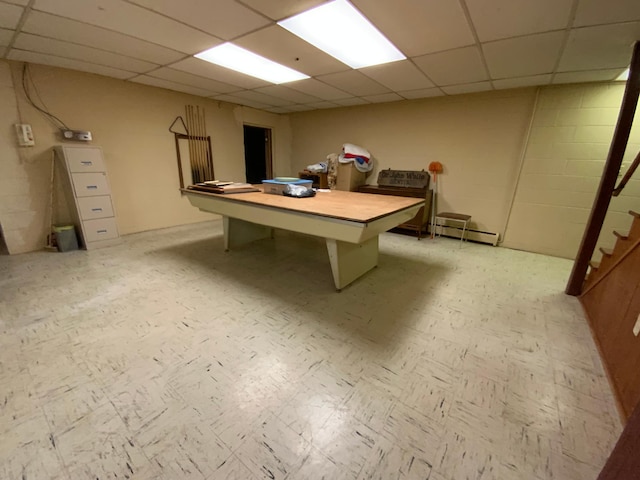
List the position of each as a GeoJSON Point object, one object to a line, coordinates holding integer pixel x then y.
{"type": "Point", "coordinates": [165, 358]}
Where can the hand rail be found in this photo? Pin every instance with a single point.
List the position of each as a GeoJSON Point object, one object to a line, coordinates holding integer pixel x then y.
{"type": "Point", "coordinates": [609, 176]}
{"type": "Point", "coordinates": [627, 176]}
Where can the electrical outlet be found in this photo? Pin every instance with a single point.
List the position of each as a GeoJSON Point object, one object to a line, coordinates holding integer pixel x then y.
{"type": "Point", "coordinates": [636, 327]}
{"type": "Point", "coordinates": [24, 135]}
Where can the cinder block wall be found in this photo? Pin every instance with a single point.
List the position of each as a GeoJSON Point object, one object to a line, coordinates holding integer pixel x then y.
{"type": "Point", "coordinates": [572, 129]}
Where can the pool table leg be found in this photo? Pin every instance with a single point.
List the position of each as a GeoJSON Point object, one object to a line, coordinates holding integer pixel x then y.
{"type": "Point", "coordinates": [350, 261]}
{"type": "Point", "coordinates": [238, 232]}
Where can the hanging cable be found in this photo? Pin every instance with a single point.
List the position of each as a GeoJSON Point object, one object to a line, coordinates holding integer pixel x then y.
{"type": "Point", "coordinates": [25, 86]}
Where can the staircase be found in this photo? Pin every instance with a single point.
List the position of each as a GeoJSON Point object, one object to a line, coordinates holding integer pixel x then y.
{"type": "Point", "coordinates": [610, 257]}
{"type": "Point", "coordinates": [611, 301]}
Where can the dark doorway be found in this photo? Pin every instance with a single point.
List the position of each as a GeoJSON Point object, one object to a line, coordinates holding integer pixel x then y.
{"type": "Point", "coordinates": [257, 153]}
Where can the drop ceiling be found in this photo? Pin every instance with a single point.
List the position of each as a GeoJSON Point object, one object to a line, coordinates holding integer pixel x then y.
{"type": "Point", "coordinates": [452, 46]}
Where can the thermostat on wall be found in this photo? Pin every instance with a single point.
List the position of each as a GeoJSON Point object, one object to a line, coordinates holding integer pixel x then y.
{"type": "Point", "coordinates": [82, 135]}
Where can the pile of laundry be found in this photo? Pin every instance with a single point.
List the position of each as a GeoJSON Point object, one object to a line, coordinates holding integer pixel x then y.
{"type": "Point", "coordinates": [360, 157]}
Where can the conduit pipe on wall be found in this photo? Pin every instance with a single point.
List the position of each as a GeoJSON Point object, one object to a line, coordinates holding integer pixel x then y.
{"type": "Point", "coordinates": [523, 152]}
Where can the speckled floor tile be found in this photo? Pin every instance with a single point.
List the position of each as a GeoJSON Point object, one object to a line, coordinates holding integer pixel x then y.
{"type": "Point", "coordinates": [165, 358]}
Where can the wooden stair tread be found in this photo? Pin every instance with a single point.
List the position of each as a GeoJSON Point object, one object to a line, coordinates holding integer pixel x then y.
{"type": "Point", "coordinates": [606, 251]}
{"type": "Point", "coordinates": [594, 265]}
{"type": "Point", "coordinates": [621, 236]}
{"type": "Point", "coordinates": [635, 214]}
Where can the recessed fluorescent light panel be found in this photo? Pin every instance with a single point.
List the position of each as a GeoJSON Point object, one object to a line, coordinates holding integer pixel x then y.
{"type": "Point", "coordinates": [340, 30]}
{"type": "Point", "coordinates": [624, 76]}
{"type": "Point", "coordinates": [231, 56]}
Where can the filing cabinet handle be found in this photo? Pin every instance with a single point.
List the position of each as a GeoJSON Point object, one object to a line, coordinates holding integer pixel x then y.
{"type": "Point", "coordinates": [101, 231]}
{"type": "Point", "coordinates": [91, 187]}
{"type": "Point", "coordinates": [96, 209]}
{"type": "Point", "coordinates": [86, 162]}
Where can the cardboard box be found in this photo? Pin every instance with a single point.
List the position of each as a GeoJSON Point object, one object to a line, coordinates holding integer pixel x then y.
{"type": "Point", "coordinates": [349, 179]}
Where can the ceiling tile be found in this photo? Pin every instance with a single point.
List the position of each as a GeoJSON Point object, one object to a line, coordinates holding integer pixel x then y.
{"type": "Point", "coordinates": [519, 82]}
{"type": "Point", "coordinates": [385, 97]}
{"type": "Point", "coordinates": [223, 18]}
{"type": "Point", "coordinates": [262, 98]}
{"type": "Point", "coordinates": [349, 102]}
{"type": "Point", "coordinates": [298, 108]}
{"type": "Point", "coordinates": [282, 8]}
{"type": "Point", "coordinates": [495, 19]}
{"type": "Point", "coordinates": [419, 27]}
{"type": "Point", "coordinates": [354, 82]}
{"type": "Point", "coordinates": [597, 12]}
{"type": "Point", "coordinates": [286, 93]}
{"type": "Point", "coordinates": [10, 15]}
{"type": "Point", "coordinates": [463, 65]}
{"type": "Point", "coordinates": [278, 110]}
{"type": "Point", "coordinates": [192, 80]}
{"type": "Point", "coordinates": [402, 75]}
{"type": "Point", "coordinates": [322, 105]}
{"type": "Point", "coordinates": [282, 46]}
{"type": "Point", "coordinates": [422, 93]}
{"type": "Point", "coordinates": [242, 101]}
{"type": "Point", "coordinates": [68, 30]}
{"type": "Point", "coordinates": [133, 20]}
{"type": "Point", "coordinates": [597, 48]}
{"type": "Point", "coordinates": [5, 36]}
{"type": "Point", "coordinates": [311, 86]}
{"type": "Point", "coordinates": [178, 87]}
{"type": "Point", "coordinates": [467, 88]}
{"type": "Point", "coordinates": [589, 76]}
{"type": "Point", "coordinates": [221, 74]}
{"type": "Point", "coordinates": [34, 43]}
{"type": "Point", "coordinates": [45, 59]}
{"type": "Point", "coordinates": [522, 56]}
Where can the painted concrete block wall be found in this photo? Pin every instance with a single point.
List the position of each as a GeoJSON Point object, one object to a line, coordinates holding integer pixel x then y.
{"type": "Point", "coordinates": [570, 138]}
{"type": "Point", "coordinates": [478, 138]}
{"type": "Point", "coordinates": [130, 122]}
{"type": "Point", "coordinates": [23, 175]}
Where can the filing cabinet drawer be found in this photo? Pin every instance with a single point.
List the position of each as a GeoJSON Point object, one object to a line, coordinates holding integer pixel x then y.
{"type": "Point", "coordinates": [90, 184]}
{"type": "Point", "coordinates": [95, 207]}
{"type": "Point", "coordinates": [100, 229]}
{"type": "Point", "coordinates": [84, 160]}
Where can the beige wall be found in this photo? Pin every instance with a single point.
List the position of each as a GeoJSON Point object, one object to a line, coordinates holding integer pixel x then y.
{"type": "Point", "coordinates": [21, 177]}
{"type": "Point", "coordinates": [129, 121]}
{"type": "Point", "coordinates": [478, 138]}
{"type": "Point", "coordinates": [565, 156]}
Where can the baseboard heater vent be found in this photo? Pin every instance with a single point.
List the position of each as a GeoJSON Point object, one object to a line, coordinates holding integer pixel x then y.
{"type": "Point", "coordinates": [473, 235]}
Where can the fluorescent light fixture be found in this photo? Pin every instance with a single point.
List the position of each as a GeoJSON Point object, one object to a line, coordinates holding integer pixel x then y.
{"type": "Point", "coordinates": [340, 30]}
{"type": "Point", "coordinates": [623, 77]}
{"type": "Point", "coordinates": [235, 58]}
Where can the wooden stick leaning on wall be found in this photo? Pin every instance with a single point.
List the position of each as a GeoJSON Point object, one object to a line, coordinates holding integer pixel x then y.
{"type": "Point", "coordinates": [205, 143]}
{"type": "Point", "coordinates": [194, 171]}
{"type": "Point", "coordinates": [203, 156]}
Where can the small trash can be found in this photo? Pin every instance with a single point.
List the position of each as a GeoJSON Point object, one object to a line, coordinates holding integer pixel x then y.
{"type": "Point", "coordinates": [66, 237]}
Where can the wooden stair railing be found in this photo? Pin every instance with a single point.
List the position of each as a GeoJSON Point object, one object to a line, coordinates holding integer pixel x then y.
{"type": "Point", "coordinates": [609, 176]}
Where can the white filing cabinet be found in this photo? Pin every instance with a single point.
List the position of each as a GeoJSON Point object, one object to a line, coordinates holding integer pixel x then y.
{"type": "Point", "coordinates": [88, 194]}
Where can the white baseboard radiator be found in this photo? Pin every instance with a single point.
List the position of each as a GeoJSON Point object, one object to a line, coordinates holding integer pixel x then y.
{"type": "Point", "coordinates": [479, 236]}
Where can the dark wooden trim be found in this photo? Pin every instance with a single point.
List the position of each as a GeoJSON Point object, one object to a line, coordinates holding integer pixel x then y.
{"type": "Point", "coordinates": [609, 177]}
{"type": "Point", "coordinates": [624, 461]}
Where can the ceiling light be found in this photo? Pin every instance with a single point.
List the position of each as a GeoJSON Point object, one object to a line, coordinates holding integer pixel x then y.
{"type": "Point", "coordinates": [340, 30]}
{"type": "Point", "coordinates": [231, 56]}
{"type": "Point", "coordinates": [623, 77]}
